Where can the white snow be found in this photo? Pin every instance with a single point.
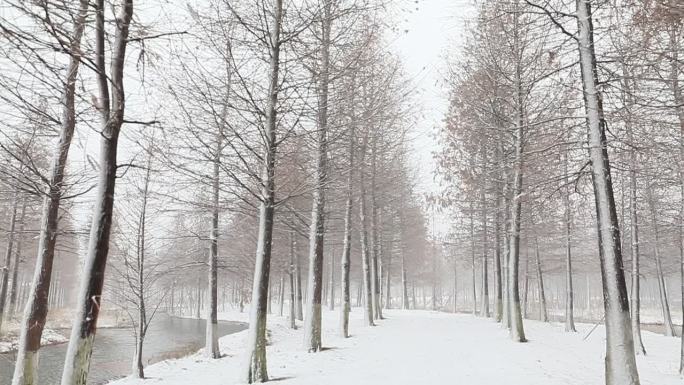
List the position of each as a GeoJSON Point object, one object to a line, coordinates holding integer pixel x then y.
{"type": "Point", "coordinates": [420, 347]}
{"type": "Point", "coordinates": [10, 342]}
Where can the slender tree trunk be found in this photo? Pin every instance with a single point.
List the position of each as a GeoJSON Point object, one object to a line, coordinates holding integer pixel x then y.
{"type": "Point", "coordinates": [543, 314]}
{"type": "Point", "coordinates": [484, 310]}
{"type": "Point", "coordinates": [211, 345]}
{"type": "Point", "coordinates": [404, 284]}
{"type": "Point", "coordinates": [455, 291]}
{"type": "Point", "coordinates": [345, 280]}
{"type": "Point", "coordinates": [374, 238]}
{"type": "Point", "coordinates": [281, 295]}
{"type": "Point", "coordinates": [388, 275]}
{"type": "Point", "coordinates": [198, 298]}
{"type": "Point", "coordinates": [620, 359]}
{"type": "Point", "coordinates": [365, 251]}
{"type": "Point", "coordinates": [298, 284]}
{"type": "Point", "coordinates": [517, 332]}
{"type": "Point", "coordinates": [505, 296]}
{"type": "Point", "coordinates": [256, 370]}
{"type": "Point", "coordinates": [498, 300]}
{"type": "Point", "coordinates": [331, 291]}
{"type": "Point", "coordinates": [569, 292]}
{"type": "Point", "coordinates": [526, 288]}
{"type": "Point", "coordinates": [293, 285]}
{"type": "Point", "coordinates": [139, 291]}
{"type": "Point", "coordinates": [472, 257]}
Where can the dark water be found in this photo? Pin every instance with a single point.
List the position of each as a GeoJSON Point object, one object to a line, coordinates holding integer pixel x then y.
{"type": "Point", "coordinates": [167, 337]}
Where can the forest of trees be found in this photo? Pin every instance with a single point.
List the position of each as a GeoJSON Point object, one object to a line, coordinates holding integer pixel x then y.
{"type": "Point", "coordinates": [566, 131]}
{"type": "Point", "coordinates": [256, 155]}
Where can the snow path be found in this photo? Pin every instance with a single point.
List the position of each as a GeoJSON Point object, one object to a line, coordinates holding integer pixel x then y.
{"type": "Point", "coordinates": [420, 347]}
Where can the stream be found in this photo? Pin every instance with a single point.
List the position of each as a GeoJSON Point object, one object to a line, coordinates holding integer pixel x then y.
{"type": "Point", "coordinates": [167, 337]}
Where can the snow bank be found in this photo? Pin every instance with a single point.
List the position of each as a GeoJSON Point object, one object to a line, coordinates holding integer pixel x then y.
{"type": "Point", "coordinates": [10, 342]}
{"type": "Point", "coordinates": [419, 347]}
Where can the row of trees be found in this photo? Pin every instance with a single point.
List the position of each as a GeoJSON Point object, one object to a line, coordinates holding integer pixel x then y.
{"type": "Point", "coordinates": [544, 103]}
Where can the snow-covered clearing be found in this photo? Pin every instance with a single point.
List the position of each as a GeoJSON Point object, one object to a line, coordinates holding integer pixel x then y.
{"type": "Point", "coordinates": [420, 347]}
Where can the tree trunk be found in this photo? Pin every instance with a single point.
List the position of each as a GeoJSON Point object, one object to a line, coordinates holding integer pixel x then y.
{"type": "Point", "coordinates": [345, 306]}
{"type": "Point", "coordinates": [404, 283]}
{"type": "Point", "coordinates": [211, 345]}
{"type": "Point", "coordinates": [498, 300]}
{"type": "Point", "coordinates": [472, 257]}
{"type": "Point", "coordinates": [526, 287]}
{"type": "Point", "coordinates": [331, 290]}
{"type": "Point", "coordinates": [281, 295]}
{"type": "Point", "coordinates": [138, 369]}
{"type": "Point", "coordinates": [365, 251]}
{"type": "Point", "coordinates": [256, 370]}
{"type": "Point", "coordinates": [291, 276]}
{"type": "Point", "coordinates": [388, 275]}
{"type": "Point", "coordinates": [455, 291]}
{"type": "Point", "coordinates": [298, 284]}
{"type": "Point", "coordinates": [543, 314]}
{"type": "Point", "coordinates": [484, 309]}
{"type": "Point", "coordinates": [517, 332]}
{"type": "Point", "coordinates": [506, 316]}
{"type": "Point", "coordinates": [375, 244]}
{"type": "Point", "coordinates": [569, 292]}
{"type": "Point", "coordinates": [620, 360]}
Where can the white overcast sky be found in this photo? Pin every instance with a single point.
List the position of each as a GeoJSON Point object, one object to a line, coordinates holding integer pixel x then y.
{"type": "Point", "coordinates": [431, 31]}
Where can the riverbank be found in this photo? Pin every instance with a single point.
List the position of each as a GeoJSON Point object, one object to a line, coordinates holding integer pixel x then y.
{"type": "Point", "coordinates": [57, 328]}
{"type": "Point", "coordinates": [412, 347]}
{"type": "Point", "coordinates": [10, 341]}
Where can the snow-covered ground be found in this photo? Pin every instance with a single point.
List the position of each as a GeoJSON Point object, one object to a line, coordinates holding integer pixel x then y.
{"type": "Point", "coordinates": [9, 342]}
{"type": "Point", "coordinates": [420, 347]}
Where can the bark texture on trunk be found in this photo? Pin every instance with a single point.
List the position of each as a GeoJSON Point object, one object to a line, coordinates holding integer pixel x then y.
{"type": "Point", "coordinates": [620, 360]}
